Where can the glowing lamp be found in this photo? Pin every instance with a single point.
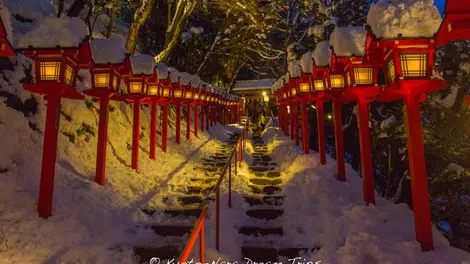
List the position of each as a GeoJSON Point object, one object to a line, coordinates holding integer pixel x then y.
{"type": "Point", "coordinates": [336, 81]}
{"type": "Point", "coordinates": [136, 81]}
{"type": "Point", "coordinates": [319, 85]}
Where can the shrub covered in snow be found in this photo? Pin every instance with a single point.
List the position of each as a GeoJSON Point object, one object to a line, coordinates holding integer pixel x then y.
{"type": "Point", "coordinates": [410, 18]}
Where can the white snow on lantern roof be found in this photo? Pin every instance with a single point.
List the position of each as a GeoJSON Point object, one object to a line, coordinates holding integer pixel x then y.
{"type": "Point", "coordinates": [5, 17]}
{"type": "Point", "coordinates": [306, 62]}
{"type": "Point", "coordinates": [194, 80]}
{"type": "Point", "coordinates": [410, 18]}
{"type": "Point", "coordinates": [174, 74]}
{"type": "Point", "coordinates": [162, 71]}
{"type": "Point", "coordinates": [184, 78]}
{"type": "Point", "coordinates": [294, 69]}
{"type": "Point", "coordinates": [321, 55]}
{"type": "Point", "coordinates": [142, 64]}
{"type": "Point", "coordinates": [349, 41]}
{"type": "Point", "coordinates": [66, 32]}
{"type": "Point", "coordinates": [110, 50]}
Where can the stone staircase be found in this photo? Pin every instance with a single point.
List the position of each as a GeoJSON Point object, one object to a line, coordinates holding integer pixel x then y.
{"type": "Point", "coordinates": [173, 232]}
{"type": "Point", "coordinates": [263, 231]}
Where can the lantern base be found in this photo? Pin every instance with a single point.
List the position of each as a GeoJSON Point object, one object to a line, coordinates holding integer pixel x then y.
{"type": "Point", "coordinates": [367, 92]}
{"type": "Point", "coordinates": [403, 88]}
{"type": "Point", "coordinates": [99, 92]}
{"type": "Point", "coordinates": [150, 99]}
{"type": "Point", "coordinates": [454, 27]}
{"type": "Point", "coordinates": [56, 89]}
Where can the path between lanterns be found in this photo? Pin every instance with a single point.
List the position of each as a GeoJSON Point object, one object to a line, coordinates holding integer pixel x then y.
{"type": "Point", "coordinates": [177, 214]}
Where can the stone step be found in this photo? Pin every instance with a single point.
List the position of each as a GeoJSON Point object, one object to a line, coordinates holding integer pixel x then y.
{"type": "Point", "coordinates": [260, 231]}
{"type": "Point", "coordinates": [185, 212]}
{"type": "Point", "coordinates": [260, 163]}
{"type": "Point", "coordinates": [187, 200]}
{"type": "Point", "coordinates": [265, 214]}
{"type": "Point", "coordinates": [146, 253]}
{"type": "Point", "coordinates": [268, 200]}
{"type": "Point", "coordinates": [171, 230]}
{"type": "Point", "coordinates": [260, 169]}
{"type": "Point", "coordinates": [261, 181]}
{"type": "Point", "coordinates": [268, 190]}
{"type": "Point", "coordinates": [260, 255]}
{"type": "Point", "coordinates": [203, 180]}
{"type": "Point", "coordinates": [273, 174]}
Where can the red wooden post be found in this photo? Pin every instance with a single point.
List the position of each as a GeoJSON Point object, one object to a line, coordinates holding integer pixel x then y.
{"type": "Point", "coordinates": [206, 108]}
{"type": "Point", "coordinates": [136, 136]}
{"type": "Point", "coordinates": [201, 243]}
{"type": "Point", "coordinates": [338, 122]}
{"type": "Point", "coordinates": [292, 121]}
{"type": "Point", "coordinates": [153, 130]}
{"type": "Point", "coordinates": [366, 152]}
{"type": "Point", "coordinates": [212, 114]}
{"type": "Point", "coordinates": [321, 131]}
{"type": "Point", "coordinates": [188, 121]}
{"type": "Point", "coordinates": [217, 216]}
{"type": "Point", "coordinates": [202, 118]}
{"type": "Point", "coordinates": [165, 128]}
{"type": "Point", "coordinates": [286, 120]}
{"type": "Point", "coordinates": [296, 123]}
{"type": "Point", "coordinates": [102, 140]}
{"type": "Point", "coordinates": [230, 182]}
{"type": "Point", "coordinates": [49, 155]}
{"type": "Point", "coordinates": [195, 120]}
{"type": "Point", "coordinates": [419, 184]}
{"type": "Point", "coordinates": [305, 134]}
{"type": "Point", "coordinates": [178, 123]}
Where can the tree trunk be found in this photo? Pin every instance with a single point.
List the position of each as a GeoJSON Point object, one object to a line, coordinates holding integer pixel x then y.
{"type": "Point", "coordinates": [60, 8]}
{"type": "Point", "coordinates": [208, 54]}
{"type": "Point", "coordinates": [112, 18]}
{"type": "Point", "coordinates": [76, 8]}
{"type": "Point", "coordinates": [140, 17]}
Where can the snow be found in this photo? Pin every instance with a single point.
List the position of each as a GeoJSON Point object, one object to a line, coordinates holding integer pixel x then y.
{"type": "Point", "coordinates": [349, 41]}
{"type": "Point", "coordinates": [387, 122]}
{"type": "Point", "coordinates": [174, 75]}
{"type": "Point", "coordinates": [194, 80]}
{"type": "Point", "coordinates": [306, 62]}
{"type": "Point", "coordinates": [316, 31]}
{"type": "Point", "coordinates": [31, 9]}
{"type": "Point", "coordinates": [253, 84]}
{"type": "Point", "coordinates": [294, 69]}
{"type": "Point", "coordinates": [142, 64]}
{"type": "Point", "coordinates": [162, 71]}
{"type": "Point", "coordinates": [410, 18]}
{"type": "Point", "coordinates": [456, 167]}
{"type": "Point", "coordinates": [5, 17]}
{"type": "Point", "coordinates": [321, 55]}
{"type": "Point", "coordinates": [196, 30]}
{"type": "Point", "coordinates": [184, 78]}
{"type": "Point", "coordinates": [110, 50]}
{"type": "Point", "coordinates": [52, 32]}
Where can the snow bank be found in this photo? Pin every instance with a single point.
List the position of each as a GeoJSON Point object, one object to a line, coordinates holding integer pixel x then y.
{"type": "Point", "coordinates": [349, 41]}
{"type": "Point", "coordinates": [110, 50]}
{"type": "Point", "coordinates": [31, 9]}
{"type": "Point", "coordinates": [411, 18]}
{"type": "Point", "coordinates": [294, 69]}
{"type": "Point", "coordinates": [321, 55]}
{"type": "Point", "coordinates": [5, 16]}
{"type": "Point", "coordinates": [316, 31]}
{"type": "Point", "coordinates": [142, 64]}
{"type": "Point", "coordinates": [52, 32]}
{"type": "Point", "coordinates": [306, 62]}
{"type": "Point", "coordinates": [162, 71]}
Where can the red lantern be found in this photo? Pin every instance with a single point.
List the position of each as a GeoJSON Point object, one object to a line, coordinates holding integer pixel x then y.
{"type": "Point", "coordinates": [456, 23]}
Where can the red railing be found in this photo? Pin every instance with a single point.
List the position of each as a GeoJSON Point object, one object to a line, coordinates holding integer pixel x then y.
{"type": "Point", "coordinates": [239, 146]}
{"type": "Point", "coordinates": [197, 231]}
{"type": "Point", "coordinates": [199, 228]}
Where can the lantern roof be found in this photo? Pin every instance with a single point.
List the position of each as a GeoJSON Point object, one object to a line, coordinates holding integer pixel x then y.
{"type": "Point", "coordinates": [194, 80]}
{"type": "Point", "coordinates": [184, 78]}
{"type": "Point", "coordinates": [348, 41]}
{"type": "Point", "coordinates": [162, 71]}
{"type": "Point", "coordinates": [63, 32]}
{"type": "Point", "coordinates": [306, 62]}
{"type": "Point", "coordinates": [294, 69]}
{"type": "Point", "coordinates": [174, 74]}
{"type": "Point", "coordinates": [142, 64]}
{"type": "Point", "coordinates": [404, 19]}
{"type": "Point", "coordinates": [108, 51]}
{"type": "Point", "coordinates": [321, 55]}
{"type": "Point", "coordinates": [5, 23]}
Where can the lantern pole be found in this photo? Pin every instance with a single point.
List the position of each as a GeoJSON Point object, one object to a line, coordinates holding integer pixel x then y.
{"type": "Point", "coordinates": [296, 123]}
{"type": "Point", "coordinates": [211, 113]}
{"type": "Point", "coordinates": [188, 121]}
{"type": "Point", "coordinates": [178, 123]}
{"type": "Point", "coordinates": [338, 123]}
{"type": "Point", "coordinates": [49, 155]}
{"type": "Point", "coordinates": [196, 119]}
{"type": "Point", "coordinates": [136, 135]}
{"type": "Point", "coordinates": [419, 184]}
{"type": "Point", "coordinates": [207, 117]}
{"type": "Point", "coordinates": [304, 116]}
{"type": "Point", "coordinates": [321, 131]}
{"type": "Point", "coordinates": [202, 117]}
{"type": "Point", "coordinates": [366, 152]}
{"type": "Point", "coordinates": [292, 120]}
{"type": "Point", "coordinates": [165, 127]}
{"type": "Point", "coordinates": [153, 130]}
{"type": "Point", "coordinates": [102, 137]}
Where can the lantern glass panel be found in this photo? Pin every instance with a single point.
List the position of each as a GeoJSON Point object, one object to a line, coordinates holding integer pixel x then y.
{"type": "Point", "coordinates": [414, 64]}
{"type": "Point", "coordinates": [391, 70]}
{"type": "Point", "coordinates": [337, 81]}
{"type": "Point", "coordinates": [152, 89]}
{"type": "Point", "coordinates": [304, 87]}
{"type": "Point", "coordinates": [319, 85]}
{"type": "Point", "coordinates": [135, 87]}
{"type": "Point", "coordinates": [363, 75]}
{"type": "Point", "coordinates": [115, 82]}
{"type": "Point", "coordinates": [196, 96]}
{"type": "Point", "coordinates": [166, 92]}
{"type": "Point", "coordinates": [203, 97]}
{"type": "Point", "coordinates": [284, 95]}
{"type": "Point", "coordinates": [69, 74]}
{"type": "Point", "coordinates": [50, 70]}
{"type": "Point", "coordinates": [347, 78]}
{"type": "Point", "coordinates": [177, 93]}
{"type": "Point", "coordinates": [101, 79]}
{"type": "Point", "coordinates": [188, 95]}
{"type": "Point", "coordinates": [293, 91]}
